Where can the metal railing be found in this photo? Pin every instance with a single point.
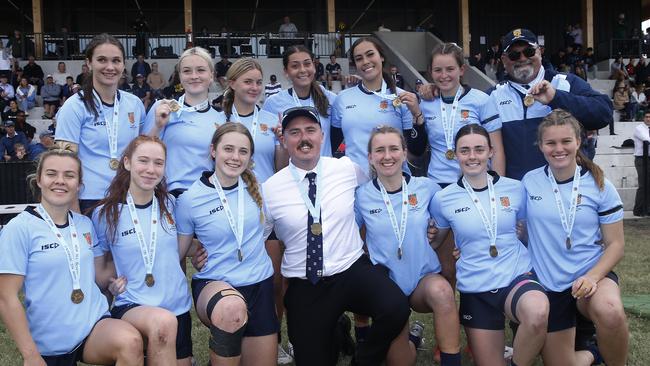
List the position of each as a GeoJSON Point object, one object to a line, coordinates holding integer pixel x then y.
{"type": "Point", "coordinates": [627, 48]}
{"type": "Point", "coordinates": [71, 46]}
{"type": "Point", "coordinates": [13, 181]}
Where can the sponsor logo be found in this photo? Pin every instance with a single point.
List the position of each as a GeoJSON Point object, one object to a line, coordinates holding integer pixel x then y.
{"type": "Point", "coordinates": [504, 102]}
{"type": "Point", "coordinates": [462, 209]}
{"type": "Point", "coordinates": [467, 317]}
{"type": "Point", "coordinates": [89, 239]}
{"type": "Point", "coordinates": [128, 232]}
{"type": "Point", "coordinates": [351, 106]}
{"type": "Point", "coordinates": [99, 123]}
{"type": "Point", "coordinates": [375, 211]}
{"type": "Point", "coordinates": [220, 208]}
{"type": "Point", "coordinates": [535, 198]}
{"type": "Point", "coordinates": [49, 246]}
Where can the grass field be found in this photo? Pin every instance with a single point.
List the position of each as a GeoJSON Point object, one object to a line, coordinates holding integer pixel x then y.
{"type": "Point", "coordinates": [634, 272]}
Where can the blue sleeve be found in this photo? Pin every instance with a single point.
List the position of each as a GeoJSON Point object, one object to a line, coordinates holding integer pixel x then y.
{"type": "Point", "coordinates": [337, 113]}
{"type": "Point", "coordinates": [101, 241]}
{"type": "Point", "coordinates": [184, 223]}
{"type": "Point", "coordinates": [435, 210]}
{"type": "Point", "coordinates": [150, 120]}
{"type": "Point", "coordinates": [357, 211]}
{"type": "Point", "coordinates": [270, 105]}
{"type": "Point", "coordinates": [521, 213]}
{"type": "Point", "coordinates": [488, 115]}
{"type": "Point", "coordinates": [14, 246]}
{"type": "Point", "coordinates": [610, 207]}
{"type": "Point", "coordinates": [407, 117]}
{"type": "Point", "coordinates": [593, 109]}
{"type": "Point", "coordinates": [142, 114]}
{"type": "Point", "coordinates": [70, 118]}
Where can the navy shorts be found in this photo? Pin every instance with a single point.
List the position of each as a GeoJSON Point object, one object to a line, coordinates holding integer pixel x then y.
{"type": "Point", "coordinates": [485, 310]}
{"type": "Point", "coordinates": [262, 319]}
{"type": "Point", "coordinates": [562, 313]}
{"type": "Point", "coordinates": [71, 358]}
{"type": "Point", "coordinates": [183, 333]}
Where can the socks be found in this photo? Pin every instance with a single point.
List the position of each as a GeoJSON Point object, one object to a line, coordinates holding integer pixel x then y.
{"type": "Point", "coordinates": [449, 359]}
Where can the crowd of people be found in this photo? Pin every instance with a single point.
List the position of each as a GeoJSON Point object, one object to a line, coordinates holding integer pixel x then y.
{"type": "Point", "coordinates": [510, 212]}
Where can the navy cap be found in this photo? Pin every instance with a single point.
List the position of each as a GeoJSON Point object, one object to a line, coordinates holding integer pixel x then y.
{"type": "Point", "coordinates": [304, 111]}
{"type": "Point", "coordinates": [418, 82]}
{"type": "Point", "coordinates": [10, 123]}
{"type": "Point", "coordinates": [518, 35]}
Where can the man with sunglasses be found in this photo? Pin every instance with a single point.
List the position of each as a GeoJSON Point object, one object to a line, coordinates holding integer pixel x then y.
{"type": "Point", "coordinates": [529, 93]}
{"type": "Point", "coordinates": [310, 204]}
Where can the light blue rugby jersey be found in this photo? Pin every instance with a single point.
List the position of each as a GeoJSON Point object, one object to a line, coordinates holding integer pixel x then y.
{"type": "Point", "coordinates": [188, 138]}
{"type": "Point", "coordinates": [265, 142]}
{"type": "Point", "coordinates": [357, 112]}
{"type": "Point", "coordinates": [78, 125]}
{"type": "Point", "coordinates": [418, 258]}
{"type": "Point", "coordinates": [199, 211]}
{"type": "Point", "coordinates": [170, 290]}
{"type": "Point", "coordinates": [556, 266]}
{"type": "Point", "coordinates": [476, 270]}
{"type": "Point", "coordinates": [30, 249]}
{"type": "Point", "coordinates": [280, 102]}
{"type": "Point", "coordinates": [473, 107]}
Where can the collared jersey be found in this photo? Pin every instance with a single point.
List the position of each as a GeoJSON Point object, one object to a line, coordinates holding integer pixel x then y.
{"type": "Point", "coordinates": [418, 258]}
{"type": "Point", "coordinates": [286, 213]}
{"type": "Point", "coordinates": [188, 138]}
{"type": "Point", "coordinates": [357, 112]}
{"type": "Point", "coordinates": [556, 266]}
{"type": "Point", "coordinates": [200, 211]}
{"type": "Point", "coordinates": [476, 270]}
{"type": "Point", "coordinates": [78, 125]}
{"type": "Point", "coordinates": [170, 290]}
{"type": "Point", "coordinates": [519, 123]}
{"type": "Point", "coordinates": [30, 249]}
{"type": "Point", "coordinates": [265, 141]}
{"type": "Point", "coordinates": [280, 102]}
{"type": "Point", "coordinates": [473, 107]}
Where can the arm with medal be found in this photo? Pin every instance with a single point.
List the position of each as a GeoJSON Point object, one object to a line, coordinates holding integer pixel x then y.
{"type": "Point", "coordinates": [542, 92]}
{"type": "Point", "coordinates": [163, 111]}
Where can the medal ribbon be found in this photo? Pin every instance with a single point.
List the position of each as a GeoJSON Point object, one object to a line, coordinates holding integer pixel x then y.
{"type": "Point", "coordinates": [72, 250]}
{"type": "Point", "coordinates": [112, 123]}
{"type": "Point", "coordinates": [537, 80]}
{"type": "Point", "coordinates": [314, 209]}
{"type": "Point", "coordinates": [253, 124]}
{"type": "Point", "coordinates": [148, 251]}
{"type": "Point", "coordinates": [237, 227]}
{"type": "Point", "coordinates": [382, 94]}
{"type": "Point", "coordinates": [181, 101]}
{"type": "Point", "coordinates": [490, 223]}
{"type": "Point", "coordinates": [296, 100]}
{"type": "Point", "coordinates": [399, 231]}
{"type": "Point", "coordinates": [449, 119]}
{"type": "Point", "coordinates": [567, 221]}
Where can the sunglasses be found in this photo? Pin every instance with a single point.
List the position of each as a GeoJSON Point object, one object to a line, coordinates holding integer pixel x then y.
{"type": "Point", "coordinates": [528, 52]}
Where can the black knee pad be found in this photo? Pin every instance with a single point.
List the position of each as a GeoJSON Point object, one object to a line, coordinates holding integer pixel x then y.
{"type": "Point", "coordinates": [226, 344]}
{"type": "Point", "coordinates": [528, 286]}
{"type": "Point", "coordinates": [217, 297]}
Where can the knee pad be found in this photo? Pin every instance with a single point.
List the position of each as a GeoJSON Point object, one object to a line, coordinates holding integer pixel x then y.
{"type": "Point", "coordinates": [226, 344]}
{"type": "Point", "coordinates": [217, 297]}
{"type": "Point", "coordinates": [530, 285]}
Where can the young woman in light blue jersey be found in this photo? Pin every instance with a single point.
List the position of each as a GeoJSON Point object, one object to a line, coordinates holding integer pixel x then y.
{"type": "Point", "coordinates": [47, 253]}
{"type": "Point", "coordinates": [186, 125]}
{"type": "Point", "coordinates": [395, 209]}
{"type": "Point", "coordinates": [375, 101]}
{"type": "Point", "coordinates": [233, 291]}
{"type": "Point", "coordinates": [100, 121]}
{"type": "Point", "coordinates": [494, 270]}
{"type": "Point", "coordinates": [299, 68]}
{"type": "Point", "coordinates": [239, 105]}
{"type": "Point", "coordinates": [575, 230]}
{"type": "Point", "coordinates": [137, 239]}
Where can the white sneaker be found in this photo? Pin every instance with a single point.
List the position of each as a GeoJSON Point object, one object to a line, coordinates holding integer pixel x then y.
{"type": "Point", "coordinates": [507, 353]}
{"type": "Point", "coordinates": [283, 357]}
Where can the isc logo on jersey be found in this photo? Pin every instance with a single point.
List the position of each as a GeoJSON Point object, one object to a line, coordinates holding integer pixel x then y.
{"type": "Point", "coordinates": [375, 211]}
{"type": "Point", "coordinates": [49, 246]}
{"type": "Point", "coordinates": [220, 208]}
{"type": "Point", "coordinates": [462, 209]}
{"type": "Point", "coordinates": [505, 102]}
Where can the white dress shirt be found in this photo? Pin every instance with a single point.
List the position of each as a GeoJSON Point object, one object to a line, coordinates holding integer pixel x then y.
{"type": "Point", "coordinates": [286, 213]}
{"type": "Point", "coordinates": [641, 133]}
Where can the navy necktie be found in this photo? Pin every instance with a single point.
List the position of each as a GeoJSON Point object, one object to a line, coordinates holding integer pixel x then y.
{"type": "Point", "coordinates": [314, 270]}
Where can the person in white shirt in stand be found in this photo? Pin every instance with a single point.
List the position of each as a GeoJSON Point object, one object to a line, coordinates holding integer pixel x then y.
{"type": "Point", "coordinates": [641, 135]}
{"type": "Point", "coordinates": [60, 74]}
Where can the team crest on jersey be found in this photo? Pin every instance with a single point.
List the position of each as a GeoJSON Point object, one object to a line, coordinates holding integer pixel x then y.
{"type": "Point", "coordinates": [413, 199]}
{"type": "Point", "coordinates": [383, 105]}
{"type": "Point", "coordinates": [89, 239]}
{"type": "Point", "coordinates": [132, 119]}
{"type": "Point", "coordinates": [264, 128]}
{"type": "Point", "coordinates": [505, 201]}
{"type": "Point", "coordinates": [579, 201]}
{"type": "Point", "coordinates": [464, 114]}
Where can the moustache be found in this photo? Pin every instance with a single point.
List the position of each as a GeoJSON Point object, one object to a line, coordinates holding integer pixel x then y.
{"type": "Point", "coordinates": [304, 143]}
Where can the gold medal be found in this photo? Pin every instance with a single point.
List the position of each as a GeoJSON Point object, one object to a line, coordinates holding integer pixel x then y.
{"type": "Point", "coordinates": [529, 100]}
{"type": "Point", "coordinates": [397, 102]}
{"type": "Point", "coordinates": [316, 228]}
{"type": "Point", "coordinates": [399, 253]}
{"type": "Point", "coordinates": [240, 256]}
{"type": "Point", "coordinates": [149, 280]}
{"type": "Point", "coordinates": [493, 251]}
{"type": "Point", "coordinates": [568, 243]}
{"type": "Point", "coordinates": [174, 106]}
{"type": "Point", "coordinates": [450, 155]}
{"type": "Point", "coordinates": [77, 296]}
{"type": "Point", "coordinates": [114, 164]}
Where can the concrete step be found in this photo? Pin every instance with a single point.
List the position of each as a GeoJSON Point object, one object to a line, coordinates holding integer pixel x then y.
{"type": "Point", "coordinates": [614, 160]}
{"type": "Point", "coordinates": [627, 197]}
{"type": "Point", "coordinates": [35, 113]}
{"type": "Point", "coordinates": [621, 176]}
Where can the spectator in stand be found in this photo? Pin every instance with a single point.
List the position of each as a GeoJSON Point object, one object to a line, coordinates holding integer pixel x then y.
{"type": "Point", "coordinates": [630, 69]}
{"type": "Point", "coordinates": [26, 95]}
{"type": "Point", "coordinates": [576, 33]}
{"type": "Point", "coordinates": [174, 88]}
{"type": "Point", "coordinates": [46, 142]}
{"type": "Point", "coordinates": [24, 127]}
{"type": "Point", "coordinates": [621, 100]}
{"type": "Point", "coordinates": [571, 58]}
{"type": "Point", "coordinates": [6, 61]}
{"type": "Point", "coordinates": [52, 126]}
{"type": "Point", "coordinates": [21, 47]}
{"type": "Point", "coordinates": [287, 29]}
{"type": "Point", "coordinates": [20, 153]}
{"type": "Point", "coordinates": [142, 90]}
{"type": "Point", "coordinates": [641, 70]}
{"type": "Point", "coordinates": [639, 95]}
{"type": "Point", "coordinates": [84, 73]}
{"type": "Point", "coordinates": [320, 72]}
{"type": "Point", "coordinates": [60, 75]}
{"type": "Point", "coordinates": [568, 36]}
{"type": "Point", "coordinates": [33, 72]}
{"type": "Point", "coordinates": [222, 68]}
{"type": "Point", "coordinates": [140, 67]}
{"type": "Point", "coordinates": [6, 92]}
{"type": "Point", "coordinates": [590, 63]}
{"type": "Point", "coordinates": [274, 87]}
{"type": "Point", "coordinates": [156, 81]}
{"type": "Point", "coordinates": [641, 135]}
{"type": "Point", "coordinates": [493, 53]}
{"type": "Point", "coordinates": [559, 59]}
{"type": "Point", "coordinates": [617, 70]}
{"type": "Point", "coordinates": [67, 90]}
{"type": "Point", "coordinates": [634, 104]}
{"type": "Point", "coordinates": [545, 60]}
{"type": "Point", "coordinates": [580, 70]}
{"type": "Point", "coordinates": [8, 141]}
{"type": "Point", "coordinates": [10, 112]}
{"type": "Point", "coordinates": [620, 28]}
{"type": "Point", "coordinates": [124, 83]}
{"type": "Point", "coordinates": [50, 92]}
{"type": "Point", "coordinates": [398, 78]}
{"type": "Point", "coordinates": [418, 86]}
{"type": "Point", "coordinates": [17, 75]}
{"type": "Point", "coordinates": [333, 70]}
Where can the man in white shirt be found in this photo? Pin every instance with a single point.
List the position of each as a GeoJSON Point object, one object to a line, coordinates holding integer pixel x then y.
{"type": "Point", "coordinates": [310, 204]}
{"type": "Point", "coordinates": [61, 74]}
{"type": "Point", "coordinates": [287, 29]}
{"type": "Point", "coordinates": [641, 134]}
